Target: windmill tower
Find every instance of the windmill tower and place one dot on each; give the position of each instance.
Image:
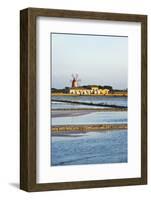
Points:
(75, 81)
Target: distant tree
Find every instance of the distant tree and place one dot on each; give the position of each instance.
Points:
(53, 89)
(108, 87)
(100, 87)
(66, 90)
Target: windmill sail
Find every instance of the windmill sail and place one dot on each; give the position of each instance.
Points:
(75, 80)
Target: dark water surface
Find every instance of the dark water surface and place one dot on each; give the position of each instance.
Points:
(108, 100)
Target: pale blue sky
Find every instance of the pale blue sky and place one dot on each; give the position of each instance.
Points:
(100, 60)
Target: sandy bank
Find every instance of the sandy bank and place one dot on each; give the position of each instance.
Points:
(85, 128)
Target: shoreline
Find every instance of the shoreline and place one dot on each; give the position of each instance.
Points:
(112, 95)
(89, 103)
(60, 129)
(82, 111)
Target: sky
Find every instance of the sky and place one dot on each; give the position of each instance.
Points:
(98, 60)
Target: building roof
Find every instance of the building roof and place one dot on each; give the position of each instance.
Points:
(80, 88)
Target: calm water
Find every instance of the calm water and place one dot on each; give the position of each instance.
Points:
(61, 105)
(90, 148)
(120, 101)
(90, 118)
(93, 118)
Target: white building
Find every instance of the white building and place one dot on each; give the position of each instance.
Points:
(92, 91)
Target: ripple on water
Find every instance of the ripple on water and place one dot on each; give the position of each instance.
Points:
(90, 148)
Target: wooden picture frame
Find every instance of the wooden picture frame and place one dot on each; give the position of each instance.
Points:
(28, 98)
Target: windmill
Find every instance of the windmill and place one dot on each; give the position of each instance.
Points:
(75, 81)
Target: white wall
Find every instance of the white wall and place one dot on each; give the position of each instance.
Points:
(9, 98)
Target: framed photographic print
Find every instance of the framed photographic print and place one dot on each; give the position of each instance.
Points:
(83, 93)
